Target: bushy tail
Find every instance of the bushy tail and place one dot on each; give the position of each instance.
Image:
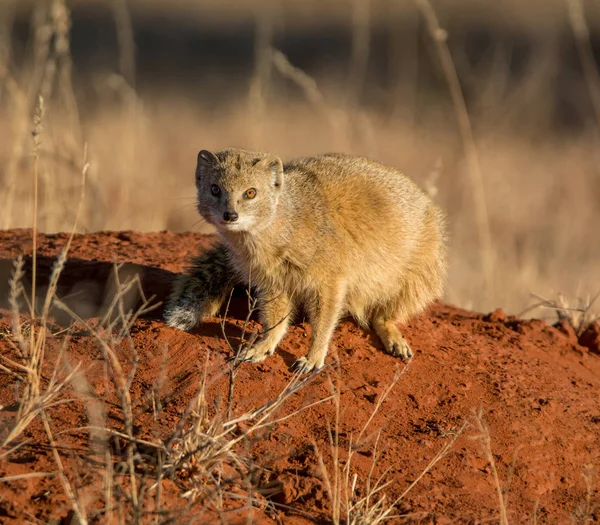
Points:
(201, 290)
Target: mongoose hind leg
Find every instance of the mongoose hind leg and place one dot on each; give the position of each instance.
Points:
(414, 295)
(323, 313)
(200, 292)
(392, 339)
(275, 317)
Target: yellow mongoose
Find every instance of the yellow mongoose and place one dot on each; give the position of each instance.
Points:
(335, 233)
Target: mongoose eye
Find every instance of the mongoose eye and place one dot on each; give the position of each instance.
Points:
(250, 194)
(215, 190)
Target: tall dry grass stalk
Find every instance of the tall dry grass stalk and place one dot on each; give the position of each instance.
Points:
(581, 32)
(38, 119)
(38, 394)
(114, 328)
(35, 398)
(475, 177)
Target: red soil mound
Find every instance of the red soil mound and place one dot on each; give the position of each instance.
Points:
(537, 387)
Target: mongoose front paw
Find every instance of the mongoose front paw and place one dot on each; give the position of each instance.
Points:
(181, 318)
(399, 349)
(304, 366)
(257, 352)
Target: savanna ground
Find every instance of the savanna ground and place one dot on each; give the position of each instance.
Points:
(110, 416)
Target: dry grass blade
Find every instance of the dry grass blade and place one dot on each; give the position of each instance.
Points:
(261, 76)
(486, 445)
(261, 415)
(361, 36)
(115, 433)
(399, 373)
(585, 512)
(372, 508)
(17, 291)
(37, 142)
(238, 355)
(30, 475)
(70, 491)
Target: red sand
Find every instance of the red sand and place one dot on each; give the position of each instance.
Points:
(537, 386)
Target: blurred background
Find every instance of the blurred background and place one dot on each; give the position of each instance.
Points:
(493, 107)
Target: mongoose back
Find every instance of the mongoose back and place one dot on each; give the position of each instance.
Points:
(337, 234)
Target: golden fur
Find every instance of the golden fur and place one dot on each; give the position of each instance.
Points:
(336, 233)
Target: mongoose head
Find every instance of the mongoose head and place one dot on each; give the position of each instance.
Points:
(238, 190)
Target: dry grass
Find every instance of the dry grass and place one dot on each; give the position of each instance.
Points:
(522, 210)
(579, 312)
(206, 453)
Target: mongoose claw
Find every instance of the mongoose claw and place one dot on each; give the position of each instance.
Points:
(304, 366)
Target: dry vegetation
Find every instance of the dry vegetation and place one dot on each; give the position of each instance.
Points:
(521, 193)
(522, 200)
(205, 454)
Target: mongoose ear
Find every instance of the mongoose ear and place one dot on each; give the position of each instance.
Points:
(206, 157)
(275, 166)
(206, 162)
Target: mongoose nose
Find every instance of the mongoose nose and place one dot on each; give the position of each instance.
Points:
(230, 216)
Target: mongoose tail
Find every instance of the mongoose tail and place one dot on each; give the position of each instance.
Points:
(200, 292)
